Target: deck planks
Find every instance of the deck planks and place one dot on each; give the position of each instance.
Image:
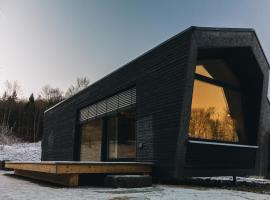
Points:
(67, 173)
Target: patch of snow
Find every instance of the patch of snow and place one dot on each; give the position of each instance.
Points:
(254, 180)
(16, 188)
(21, 152)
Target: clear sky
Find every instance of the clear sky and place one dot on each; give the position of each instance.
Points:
(54, 41)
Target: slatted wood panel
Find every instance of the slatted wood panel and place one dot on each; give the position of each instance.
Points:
(112, 103)
(120, 100)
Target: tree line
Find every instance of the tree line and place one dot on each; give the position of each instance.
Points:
(22, 119)
(209, 124)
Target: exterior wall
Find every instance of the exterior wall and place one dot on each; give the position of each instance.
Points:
(263, 164)
(159, 77)
(211, 38)
(164, 80)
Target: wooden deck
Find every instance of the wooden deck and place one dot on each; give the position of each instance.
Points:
(67, 173)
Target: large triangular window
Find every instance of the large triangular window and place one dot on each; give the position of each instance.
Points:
(216, 111)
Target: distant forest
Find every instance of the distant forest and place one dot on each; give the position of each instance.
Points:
(22, 119)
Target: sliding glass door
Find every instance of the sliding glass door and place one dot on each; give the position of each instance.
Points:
(111, 137)
(121, 135)
(91, 141)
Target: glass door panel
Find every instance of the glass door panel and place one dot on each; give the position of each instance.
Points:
(91, 141)
(121, 135)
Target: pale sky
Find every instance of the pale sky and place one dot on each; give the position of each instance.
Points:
(54, 41)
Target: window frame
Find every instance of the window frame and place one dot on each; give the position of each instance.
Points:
(218, 83)
(79, 142)
(106, 139)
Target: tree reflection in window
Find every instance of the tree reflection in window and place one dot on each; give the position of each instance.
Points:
(216, 111)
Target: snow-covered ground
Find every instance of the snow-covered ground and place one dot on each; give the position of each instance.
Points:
(240, 180)
(21, 152)
(12, 188)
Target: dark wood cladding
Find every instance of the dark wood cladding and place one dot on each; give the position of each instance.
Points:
(158, 77)
(209, 156)
(251, 65)
(164, 78)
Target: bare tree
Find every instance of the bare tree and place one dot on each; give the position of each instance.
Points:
(45, 92)
(10, 95)
(12, 90)
(81, 83)
(8, 104)
(52, 95)
(22, 118)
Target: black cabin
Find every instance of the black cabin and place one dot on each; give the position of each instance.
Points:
(195, 105)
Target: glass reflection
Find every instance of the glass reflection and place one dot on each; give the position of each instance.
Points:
(121, 135)
(91, 141)
(200, 69)
(217, 69)
(216, 113)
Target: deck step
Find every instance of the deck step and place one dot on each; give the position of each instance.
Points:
(2, 165)
(128, 181)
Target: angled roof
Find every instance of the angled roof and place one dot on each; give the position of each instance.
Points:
(190, 29)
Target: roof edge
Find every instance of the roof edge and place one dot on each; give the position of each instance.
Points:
(202, 28)
(191, 28)
(237, 30)
(173, 37)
